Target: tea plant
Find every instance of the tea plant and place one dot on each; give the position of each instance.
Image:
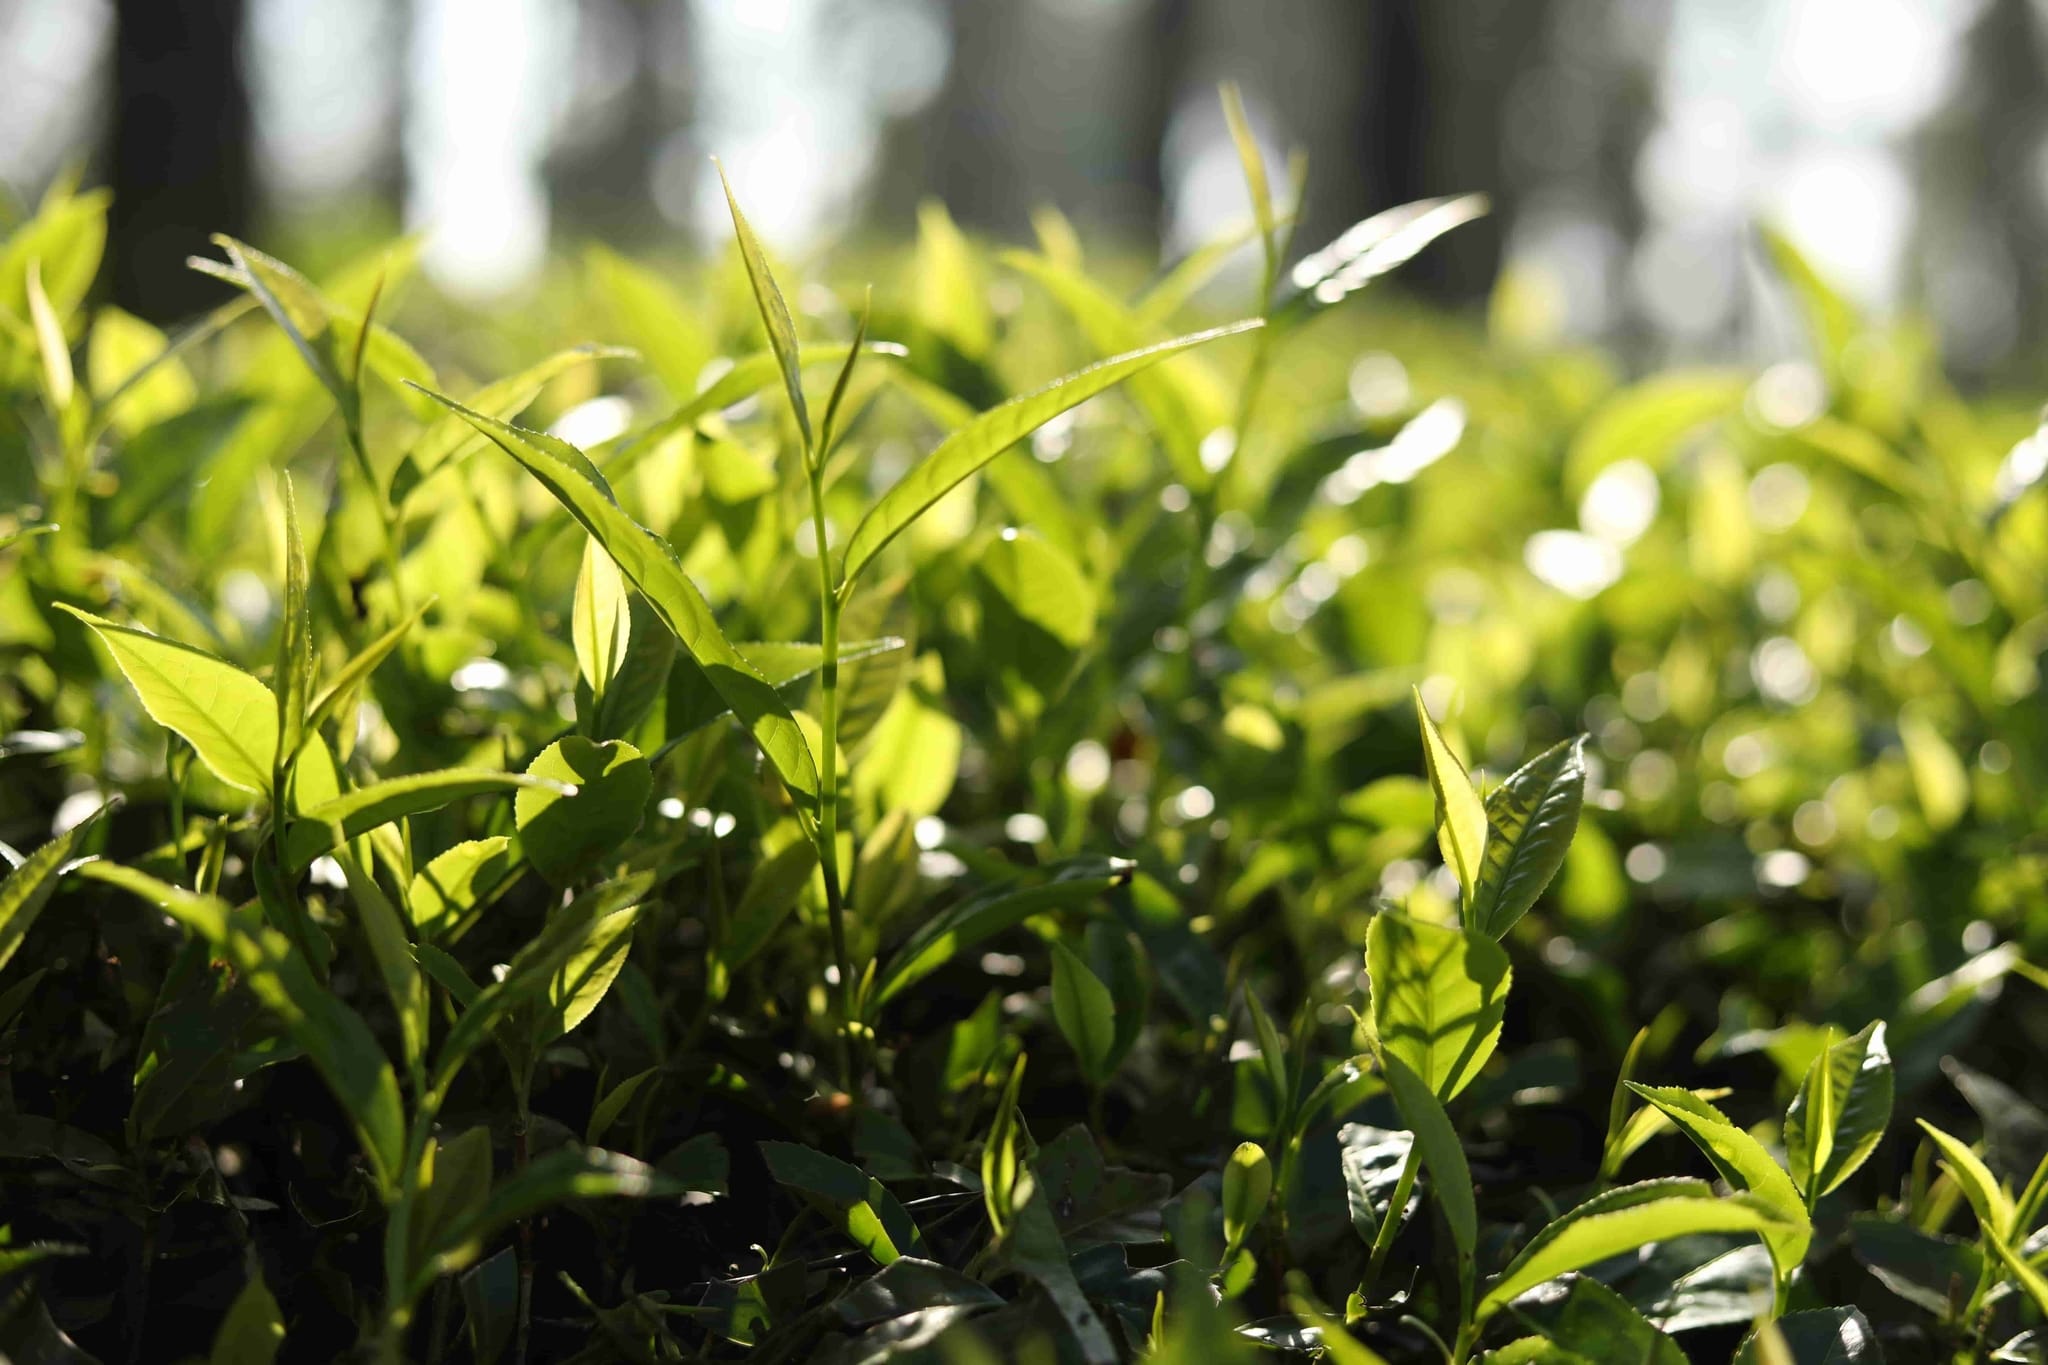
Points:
(620, 862)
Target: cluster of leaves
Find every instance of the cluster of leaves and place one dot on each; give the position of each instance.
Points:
(527, 871)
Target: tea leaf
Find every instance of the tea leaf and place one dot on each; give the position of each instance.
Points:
(1988, 1198)
(1443, 1156)
(1460, 815)
(228, 717)
(252, 1330)
(58, 384)
(982, 916)
(385, 932)
(1438, 998)
(1623, 1220)
(988, 436)
(853, 1201)
(1531, 817)
(653, 568)
(586, 799)
(450, 438)
(28, 887)
(334, 1037)
(357, 670)
(601, 621)
(457, 881)
(771, 894)
(774, 313)
(1086, 1014)
(1817, 1336)
(613, 1103)
(1840, 1112)
(356, 813)
(1741, 1161)
(568, 1173)
(292, 676)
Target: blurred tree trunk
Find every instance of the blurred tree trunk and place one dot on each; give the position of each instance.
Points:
(1165, 40)
(600, 172)
(181, 149)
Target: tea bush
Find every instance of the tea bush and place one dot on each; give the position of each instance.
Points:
(795, 836)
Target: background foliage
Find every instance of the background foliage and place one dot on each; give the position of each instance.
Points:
(408, 947)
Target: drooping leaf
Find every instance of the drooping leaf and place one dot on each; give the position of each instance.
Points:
(988, 436)
(1622, 1220)
(1439, 996)
(1935, 1272)
(228, 717)
(356, 813)
(1742, 1161)
(570, 1172)
(652, 567)
(1592, 1322)
(449, 438)
(1531, 817)
(982, 916)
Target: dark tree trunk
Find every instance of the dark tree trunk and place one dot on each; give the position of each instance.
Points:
(180, 149)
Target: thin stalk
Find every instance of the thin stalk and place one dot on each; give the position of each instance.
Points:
(1383, 1239)
(523, 1332)
(828, 769)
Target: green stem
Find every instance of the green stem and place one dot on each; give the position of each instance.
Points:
(828, 771)
(1383, 1239)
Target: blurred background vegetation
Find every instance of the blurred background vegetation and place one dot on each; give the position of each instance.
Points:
(1629, 145)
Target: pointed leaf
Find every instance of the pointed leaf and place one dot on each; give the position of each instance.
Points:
(988, 436)
(652, 567)
(987, 914)
(28, 888)
(1532, 817)
(333, 1036)
(1623, 1220)
(1450, 1177)
(252, 1330)
(1988, 1199)
(228, 717)
(1741, 1161)
(1086, 1014)
(601, 624)
(1850, 1084)
(1460, 815)
(774, 312)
